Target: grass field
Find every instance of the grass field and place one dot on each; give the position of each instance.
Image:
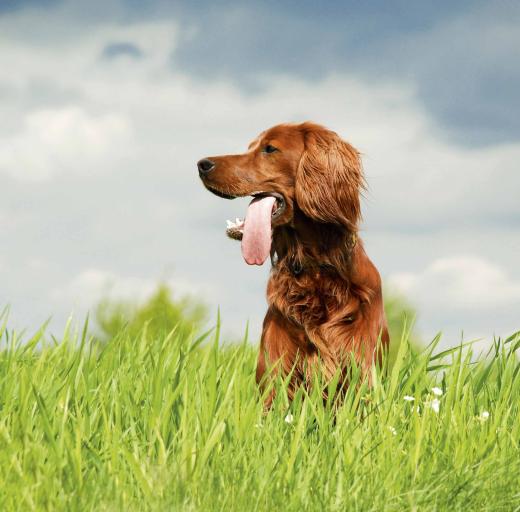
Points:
(173, 423)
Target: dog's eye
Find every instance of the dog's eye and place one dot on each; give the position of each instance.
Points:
(269, 149)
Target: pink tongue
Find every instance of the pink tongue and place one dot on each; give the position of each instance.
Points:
(256, 241)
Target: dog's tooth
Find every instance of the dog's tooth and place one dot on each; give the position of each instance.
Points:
(237, 221)
(229, 224)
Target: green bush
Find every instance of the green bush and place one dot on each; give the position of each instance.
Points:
(400, 315)
(159, 315)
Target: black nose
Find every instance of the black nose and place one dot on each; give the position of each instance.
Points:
(205, 165)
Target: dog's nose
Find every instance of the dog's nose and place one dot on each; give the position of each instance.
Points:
(205, 166)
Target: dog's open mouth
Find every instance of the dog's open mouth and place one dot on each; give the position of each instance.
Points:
(255, 230)
(235, 229)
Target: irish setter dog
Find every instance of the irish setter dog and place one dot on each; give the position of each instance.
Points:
(324, 294)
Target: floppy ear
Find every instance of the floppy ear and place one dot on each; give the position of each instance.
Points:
(329, 179)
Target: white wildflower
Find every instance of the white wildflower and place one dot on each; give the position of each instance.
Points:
(408, 398)
(392, 430)
(484, 415)
(437, 391)
(435, 405)
(289, 418)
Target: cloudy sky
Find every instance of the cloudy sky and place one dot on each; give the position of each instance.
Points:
(106, 106)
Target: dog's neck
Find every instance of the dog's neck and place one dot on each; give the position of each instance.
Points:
(308, 244)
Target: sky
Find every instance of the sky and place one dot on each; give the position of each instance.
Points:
(105, 107)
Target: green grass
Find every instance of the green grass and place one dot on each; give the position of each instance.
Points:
(172, 423)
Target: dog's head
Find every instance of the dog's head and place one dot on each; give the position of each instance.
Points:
(289, 170)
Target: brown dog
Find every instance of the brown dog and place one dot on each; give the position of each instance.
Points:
(324, 293)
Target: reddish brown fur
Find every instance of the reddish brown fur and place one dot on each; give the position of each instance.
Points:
(333, 307)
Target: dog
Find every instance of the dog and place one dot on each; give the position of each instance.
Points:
(324, 295)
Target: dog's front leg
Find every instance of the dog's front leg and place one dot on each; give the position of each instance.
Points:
(283, 351)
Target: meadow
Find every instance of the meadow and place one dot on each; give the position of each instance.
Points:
(145, 420)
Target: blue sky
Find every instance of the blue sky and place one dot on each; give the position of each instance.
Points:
(107, 106)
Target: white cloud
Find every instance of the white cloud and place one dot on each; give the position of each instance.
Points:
(90, 286)
(461, 282)
(87, 288)
(462, 296)
(64, 140)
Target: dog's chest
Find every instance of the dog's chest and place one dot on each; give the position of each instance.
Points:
(309, 297)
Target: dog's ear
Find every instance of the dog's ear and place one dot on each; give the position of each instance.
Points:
(329, 179)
